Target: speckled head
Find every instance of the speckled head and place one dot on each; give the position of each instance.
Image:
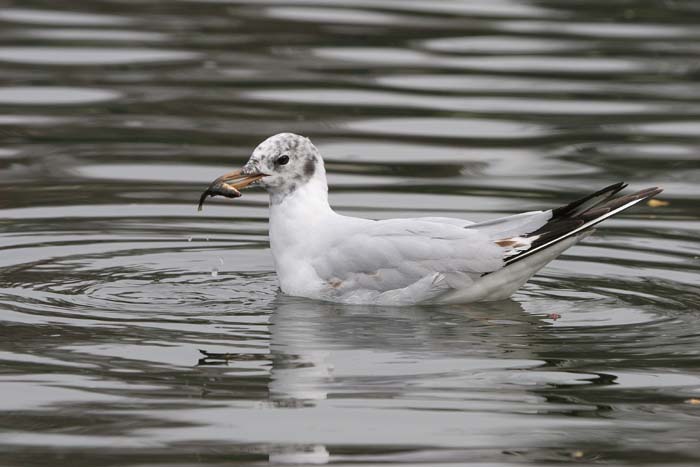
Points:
(290, 161)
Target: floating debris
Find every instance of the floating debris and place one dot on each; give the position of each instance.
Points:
(657, 203)
(218, 356)
(214, 358)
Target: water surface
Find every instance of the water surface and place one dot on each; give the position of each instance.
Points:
(115, 115)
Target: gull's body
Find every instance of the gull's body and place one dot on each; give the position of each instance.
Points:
(321, 254)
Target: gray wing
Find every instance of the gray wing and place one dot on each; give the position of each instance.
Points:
(397, 253)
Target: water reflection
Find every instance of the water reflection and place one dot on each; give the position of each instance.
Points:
(59, 18)
(86, 56)
(37, 95)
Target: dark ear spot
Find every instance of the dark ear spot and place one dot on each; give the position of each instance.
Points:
(310, 168)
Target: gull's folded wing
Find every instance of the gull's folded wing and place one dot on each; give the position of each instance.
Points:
(394, 254)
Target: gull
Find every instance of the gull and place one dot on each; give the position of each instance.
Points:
(323, 255)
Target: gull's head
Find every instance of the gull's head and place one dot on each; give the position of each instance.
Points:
(289, 161)
(281, 164)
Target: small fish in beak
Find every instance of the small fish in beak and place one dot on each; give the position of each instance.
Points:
(228, 185)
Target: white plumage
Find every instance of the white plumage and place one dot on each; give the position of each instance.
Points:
(321, 254)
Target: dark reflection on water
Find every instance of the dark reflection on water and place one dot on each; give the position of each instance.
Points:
(114, 115)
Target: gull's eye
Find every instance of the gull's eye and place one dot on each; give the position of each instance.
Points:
(282, 160)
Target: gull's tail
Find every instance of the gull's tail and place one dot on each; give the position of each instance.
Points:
(531, 240)
(579, 216)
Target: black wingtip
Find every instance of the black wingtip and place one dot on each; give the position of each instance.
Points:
(654, 191)
(604, 195)
(584, 214)
(638, 196)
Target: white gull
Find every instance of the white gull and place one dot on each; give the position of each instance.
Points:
(324, 255)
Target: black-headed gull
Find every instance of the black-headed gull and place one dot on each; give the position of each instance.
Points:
(321, 254)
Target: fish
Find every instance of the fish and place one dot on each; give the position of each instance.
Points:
(228, 185)
(218, 188)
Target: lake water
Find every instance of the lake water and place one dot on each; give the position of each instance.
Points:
(114, 116)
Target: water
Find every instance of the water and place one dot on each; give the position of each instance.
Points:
(115, 115)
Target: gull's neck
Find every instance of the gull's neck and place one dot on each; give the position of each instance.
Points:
(297, 220)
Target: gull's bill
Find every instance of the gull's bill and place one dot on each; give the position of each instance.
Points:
(229, 185)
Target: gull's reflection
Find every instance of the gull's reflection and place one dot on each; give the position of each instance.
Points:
(339, 364)
(314, 343)
(319, 349)
(315, 454)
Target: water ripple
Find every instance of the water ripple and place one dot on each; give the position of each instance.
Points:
(138, 331)
(38, 95)
(81, 56)
(59, 18)
(449, 128)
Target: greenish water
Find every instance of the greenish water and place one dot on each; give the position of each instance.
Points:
(114, 115)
